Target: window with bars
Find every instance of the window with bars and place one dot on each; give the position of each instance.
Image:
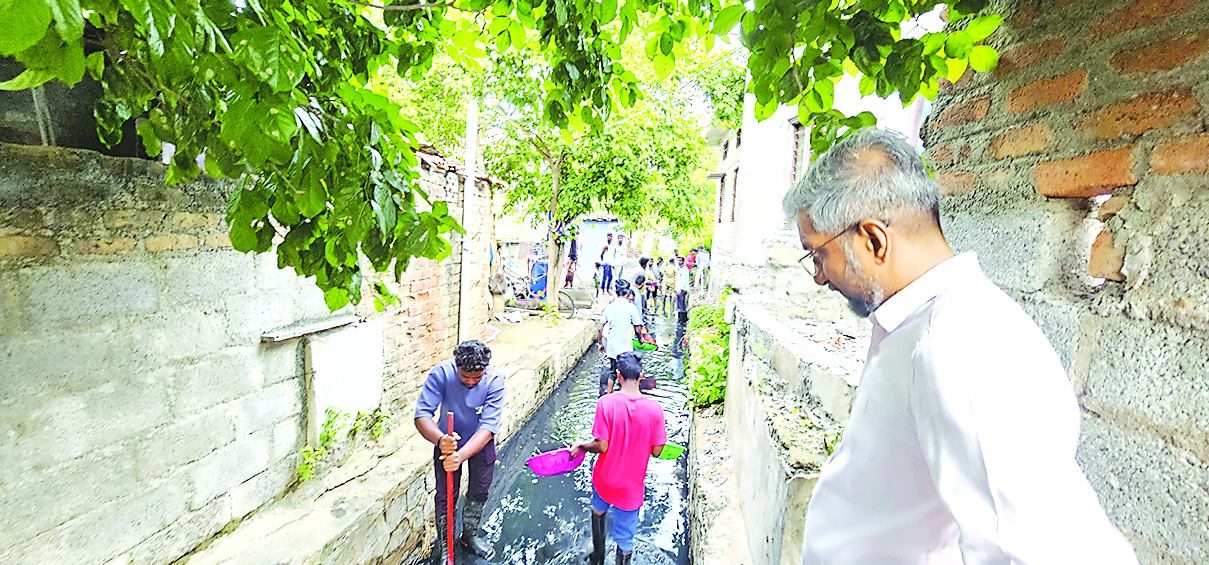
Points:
(725, 147)
(801, 151)
(722, 196)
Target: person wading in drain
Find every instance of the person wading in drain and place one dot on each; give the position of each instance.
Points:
(961, 445)
(629, 430)
(474, 391)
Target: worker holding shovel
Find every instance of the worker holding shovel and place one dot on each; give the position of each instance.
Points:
(628, 430)
(473, 391)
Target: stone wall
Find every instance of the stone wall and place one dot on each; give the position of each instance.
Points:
(1077, 171)
(139, 411)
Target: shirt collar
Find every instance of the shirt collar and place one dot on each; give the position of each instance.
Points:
(895, 310)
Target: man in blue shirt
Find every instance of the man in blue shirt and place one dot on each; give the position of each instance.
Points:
(474, 391)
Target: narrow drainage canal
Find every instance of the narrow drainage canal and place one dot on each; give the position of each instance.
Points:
(535, 520)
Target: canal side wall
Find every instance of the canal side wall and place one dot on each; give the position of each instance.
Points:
(782, 393)
(377, 509)
(140, 411)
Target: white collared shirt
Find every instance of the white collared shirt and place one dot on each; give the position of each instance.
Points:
(961, 445)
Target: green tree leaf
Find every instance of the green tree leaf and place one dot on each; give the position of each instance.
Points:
(958, 45)
(22, 24)
(28, 78)
(982, 27)
(271, 55)
(151, 143)
(727, 18)
(983, 58)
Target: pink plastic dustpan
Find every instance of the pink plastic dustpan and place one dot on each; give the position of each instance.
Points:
(554, 462)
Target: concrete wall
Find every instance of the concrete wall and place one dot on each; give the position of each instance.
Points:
(786, 388)
(765, 158)
(139, 411)
(1077, 170)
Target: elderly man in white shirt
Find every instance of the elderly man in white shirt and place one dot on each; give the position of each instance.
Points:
(961, 444)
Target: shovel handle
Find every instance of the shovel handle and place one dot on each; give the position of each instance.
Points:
(449, 504)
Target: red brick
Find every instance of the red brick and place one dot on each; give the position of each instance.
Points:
(1187, 155)
(105, 246)
(218, 240)
(1022, 56)
(1026, 15)
(1106, 260)
(941, 155)
(998, 176)
(1136, 14)
(1047, 91)
(1112, 207)
(170, 242)
(24, 246)
(1090, 175)
(191, 220)
(1163, 56)
(955, 183)
(964, 112)
(1142, 113)
(1021, 141)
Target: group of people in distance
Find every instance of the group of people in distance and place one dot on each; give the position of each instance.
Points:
(657, 283)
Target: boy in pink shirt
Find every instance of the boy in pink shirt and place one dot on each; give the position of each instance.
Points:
(629, 429)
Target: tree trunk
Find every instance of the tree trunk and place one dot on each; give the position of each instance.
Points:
(554, 256)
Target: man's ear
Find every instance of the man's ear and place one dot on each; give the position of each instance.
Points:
(877, 239)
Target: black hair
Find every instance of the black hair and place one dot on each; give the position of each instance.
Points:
(629, 365)
(643, 262)
(640, 280)
(472, 356)
(623, 287)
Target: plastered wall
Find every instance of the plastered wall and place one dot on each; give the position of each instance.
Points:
(139, 411)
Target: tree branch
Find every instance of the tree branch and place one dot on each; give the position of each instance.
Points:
(409, 6)
(535, 140)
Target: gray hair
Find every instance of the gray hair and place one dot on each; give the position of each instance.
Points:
(839, 190)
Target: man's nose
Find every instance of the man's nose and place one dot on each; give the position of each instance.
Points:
(821, 279)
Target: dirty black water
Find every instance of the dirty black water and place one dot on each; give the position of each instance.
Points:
(531, 520)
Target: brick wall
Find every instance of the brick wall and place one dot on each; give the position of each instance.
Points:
(139, 411)
(1077, 170)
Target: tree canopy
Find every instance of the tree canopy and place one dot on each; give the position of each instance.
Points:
(279, 93)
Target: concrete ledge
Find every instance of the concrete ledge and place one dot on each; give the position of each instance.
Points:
(786, 386)
(377, 507)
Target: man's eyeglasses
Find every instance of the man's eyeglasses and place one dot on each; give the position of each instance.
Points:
(810, 261)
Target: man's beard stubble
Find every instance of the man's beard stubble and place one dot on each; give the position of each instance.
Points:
(862, 302)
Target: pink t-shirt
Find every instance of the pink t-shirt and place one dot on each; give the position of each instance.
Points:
(632, 426)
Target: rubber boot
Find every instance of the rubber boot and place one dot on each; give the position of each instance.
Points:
(623, 558)
(438, 544)
(472, 517)
(598, 540)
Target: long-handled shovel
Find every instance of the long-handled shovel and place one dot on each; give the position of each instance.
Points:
(449, 504)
